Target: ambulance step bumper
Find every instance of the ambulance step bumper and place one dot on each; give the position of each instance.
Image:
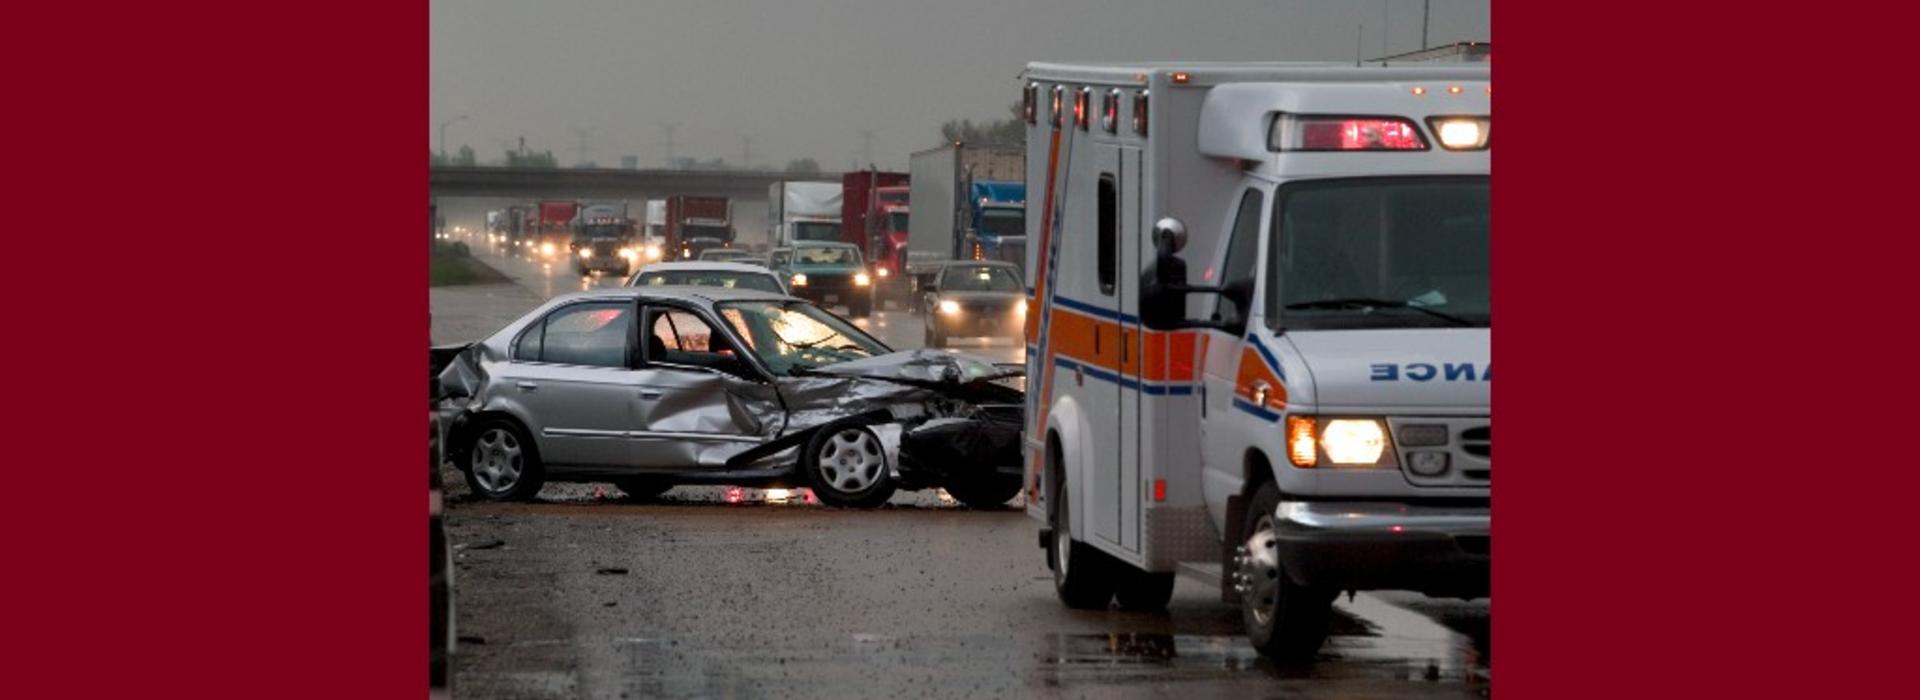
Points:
(1359, 545)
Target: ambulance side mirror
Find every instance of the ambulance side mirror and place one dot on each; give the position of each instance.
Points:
(1163, 289)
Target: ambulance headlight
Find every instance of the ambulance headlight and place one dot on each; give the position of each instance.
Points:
(1353, 441)
(1461, 133)
(1349, 442)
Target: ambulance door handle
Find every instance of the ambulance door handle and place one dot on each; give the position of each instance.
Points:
(1261, 390)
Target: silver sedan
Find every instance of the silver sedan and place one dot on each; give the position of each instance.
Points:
(650, 387)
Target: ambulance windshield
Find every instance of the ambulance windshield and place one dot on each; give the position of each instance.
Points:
(1382, 253)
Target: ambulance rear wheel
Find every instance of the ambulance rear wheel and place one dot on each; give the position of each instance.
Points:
(1284, 620)
(1082, 575)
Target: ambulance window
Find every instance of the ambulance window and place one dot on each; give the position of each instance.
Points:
(1109, 244)
(1241, 251)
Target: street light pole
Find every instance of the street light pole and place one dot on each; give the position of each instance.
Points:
(443, 134)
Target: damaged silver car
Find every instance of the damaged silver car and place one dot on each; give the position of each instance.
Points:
(649, 388)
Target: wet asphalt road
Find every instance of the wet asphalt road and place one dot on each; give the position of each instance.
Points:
(584, 595)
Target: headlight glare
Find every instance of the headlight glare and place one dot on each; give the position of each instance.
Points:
(800, 279)
(950, 307)
(1354, 441)
(860, 279)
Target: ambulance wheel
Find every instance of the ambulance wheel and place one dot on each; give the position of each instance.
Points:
(1082, 575)
(846, 466)
(1284, 620)
(1143, 591)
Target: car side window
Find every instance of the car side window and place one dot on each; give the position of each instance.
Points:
(1241, 250)
(528, 349)
(676, 336)
(591, 334)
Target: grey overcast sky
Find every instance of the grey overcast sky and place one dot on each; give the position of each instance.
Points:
(803, 78)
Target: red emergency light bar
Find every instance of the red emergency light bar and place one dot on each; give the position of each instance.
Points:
(1293, 132)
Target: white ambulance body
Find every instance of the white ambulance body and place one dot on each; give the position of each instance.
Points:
(1314, 418)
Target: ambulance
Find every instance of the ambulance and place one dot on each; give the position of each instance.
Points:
(1260, 347)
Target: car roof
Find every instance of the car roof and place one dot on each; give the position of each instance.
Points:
(702, 266)
(821, 244)
(675, 293)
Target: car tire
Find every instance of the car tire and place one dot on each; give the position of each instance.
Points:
(502, 463)
(1284, 620)
(860, 309)
(988, 492)
(1143, 591)
(1082, 575)
(642, 488)
(846, 466)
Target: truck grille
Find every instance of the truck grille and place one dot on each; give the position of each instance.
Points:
(1465, 443)
(1477, 441)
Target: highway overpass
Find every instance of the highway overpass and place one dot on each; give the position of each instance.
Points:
(605, 183)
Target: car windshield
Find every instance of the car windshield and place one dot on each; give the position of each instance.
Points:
(816, 231)
(1382, 253)
(979, 278)
(826, 255)
(795, 335)
(709, 278)
(1004, 222)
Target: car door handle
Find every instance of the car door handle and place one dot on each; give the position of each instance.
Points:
(649, 395)
(527, 386)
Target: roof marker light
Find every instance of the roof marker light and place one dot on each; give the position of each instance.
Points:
(1030, 102)
(1110, 112)
(1140, 112)
(1419, 91)
(1181, 77)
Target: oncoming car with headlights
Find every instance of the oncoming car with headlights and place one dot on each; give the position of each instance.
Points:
(973, 299)
(649, 387)
(826, 273)
(707, 274)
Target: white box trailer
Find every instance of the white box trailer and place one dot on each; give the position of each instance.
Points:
(940, 177)
(1258, 350)
(802, 211)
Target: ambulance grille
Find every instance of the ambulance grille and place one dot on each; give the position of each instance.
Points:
(1477, 441)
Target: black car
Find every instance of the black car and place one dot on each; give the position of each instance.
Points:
(972, 299)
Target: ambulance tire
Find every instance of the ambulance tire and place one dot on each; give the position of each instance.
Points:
(1082, 576)
(1143, 591)
(1284, 620)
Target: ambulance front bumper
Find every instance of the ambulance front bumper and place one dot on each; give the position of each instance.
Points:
(1364, 545)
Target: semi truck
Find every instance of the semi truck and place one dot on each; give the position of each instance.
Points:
(874, 216)
(1308, 412)
(554, 228)
(971, 201)
(695, 224)
(803, 211)
(605, 239)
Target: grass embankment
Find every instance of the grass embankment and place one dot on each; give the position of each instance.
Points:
(452, 264)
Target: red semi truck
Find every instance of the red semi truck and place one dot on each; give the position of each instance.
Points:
(555, 228)
(696, 224)
(873, 216)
